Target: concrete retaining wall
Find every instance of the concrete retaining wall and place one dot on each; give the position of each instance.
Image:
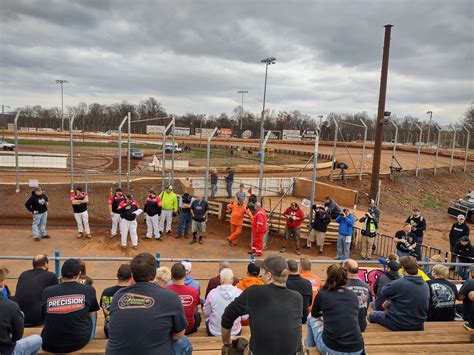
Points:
(56, 161)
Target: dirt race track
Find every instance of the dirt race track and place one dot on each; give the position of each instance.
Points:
(432, 194)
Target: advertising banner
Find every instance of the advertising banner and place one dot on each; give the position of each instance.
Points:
(150, 129)
(182, 131)
(291, 135)
(308, 135)
(274, 135)
(224, 133)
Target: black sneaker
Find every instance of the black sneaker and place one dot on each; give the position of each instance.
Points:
(192, 241)
(36, 239)
(46, 236)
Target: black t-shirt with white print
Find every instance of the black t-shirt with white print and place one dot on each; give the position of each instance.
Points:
(68, 326)
(442, 301)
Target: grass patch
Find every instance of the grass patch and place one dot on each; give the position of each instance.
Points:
(431, 203)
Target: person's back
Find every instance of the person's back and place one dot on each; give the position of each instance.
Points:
(297, 283)
(442, 296)
(340, 310)
(388, 276)
(29, 290)
(145, 317)
(142, 319)
(11, 325)
(409, 298)
(68, 307)
(217, 301)
(305, 272)
(275, 314)
(362, 290)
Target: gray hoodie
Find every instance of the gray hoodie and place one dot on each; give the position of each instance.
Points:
(409, 301)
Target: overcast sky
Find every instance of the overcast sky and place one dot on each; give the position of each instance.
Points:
(194, 55)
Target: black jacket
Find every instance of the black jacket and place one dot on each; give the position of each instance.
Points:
(126, 211)
(11, 325)
(458, 231)
(37, 203)
(419, 223)
(321, 219)
(382, 280)
(465, 252)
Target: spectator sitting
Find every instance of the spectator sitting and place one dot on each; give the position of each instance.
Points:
(442, 296)
(12, 326)
(163, 275)
(305, 272)
(393, 257)
(338, 330)
(188, 279)
(189, 297)
(464, 254)
(70, 312)
(84, 279)
(275, 311)
(360, 288)
(466, 309)
(435, 258)
(252, 278)
(216, 302)
(29, 290)
(391, 273)
(216, 281)
(408, 298)
(146, 318)
(124, 274)
(406, 241)
(297, 283)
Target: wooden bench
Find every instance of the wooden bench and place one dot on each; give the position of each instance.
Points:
(437, 338)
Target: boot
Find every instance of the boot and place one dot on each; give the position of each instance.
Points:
(194, 239)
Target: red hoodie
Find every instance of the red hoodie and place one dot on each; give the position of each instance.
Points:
(294, 223)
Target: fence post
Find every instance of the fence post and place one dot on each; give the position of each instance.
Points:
(120, 152)
(57, 264)
(452, 151)
(363, 150)
(163, 158)
(173, 132)
(334, 149)
(71, 150)
(262, 162)
(129, 137)
(158, 262)
(437, 148)
(17, 167)
(467, 147)
(313, 179)
(208, 159)
(420, 140)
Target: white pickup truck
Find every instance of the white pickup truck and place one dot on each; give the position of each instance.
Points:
(6, 146)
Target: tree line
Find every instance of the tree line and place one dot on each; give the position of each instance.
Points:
(97, 117)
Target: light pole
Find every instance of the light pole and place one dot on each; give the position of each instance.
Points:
(4, 120)
(429, 125)
(243, 92)
(267, 61)
(61, 81)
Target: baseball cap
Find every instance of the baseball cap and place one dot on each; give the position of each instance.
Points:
(274, 264)
(118, 189)
(70, 268)
(187, 265)
(253, 269)
(461, 216)
(170, 187)
(464, 238)
(393, 265)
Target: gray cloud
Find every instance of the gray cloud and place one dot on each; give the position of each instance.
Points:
(195, 55)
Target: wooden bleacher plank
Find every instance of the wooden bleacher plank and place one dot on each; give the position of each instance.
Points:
(415, 338)
(406, 349)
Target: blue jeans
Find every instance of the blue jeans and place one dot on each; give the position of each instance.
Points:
(213, 190)
(39, 224)
(380, 317)
(228, 187)
(401, 254)
(184, 221)
(343, 246)
(28, 346)
(183, 346)
(462, 270)
(314, 337)
(94, 325)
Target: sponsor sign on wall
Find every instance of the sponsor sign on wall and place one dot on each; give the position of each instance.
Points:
(247, 134)
(291, 135)
(308, 135)
(151, 129)
(182, 131)
(273, 135)
(224, 133)
(203, 132)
